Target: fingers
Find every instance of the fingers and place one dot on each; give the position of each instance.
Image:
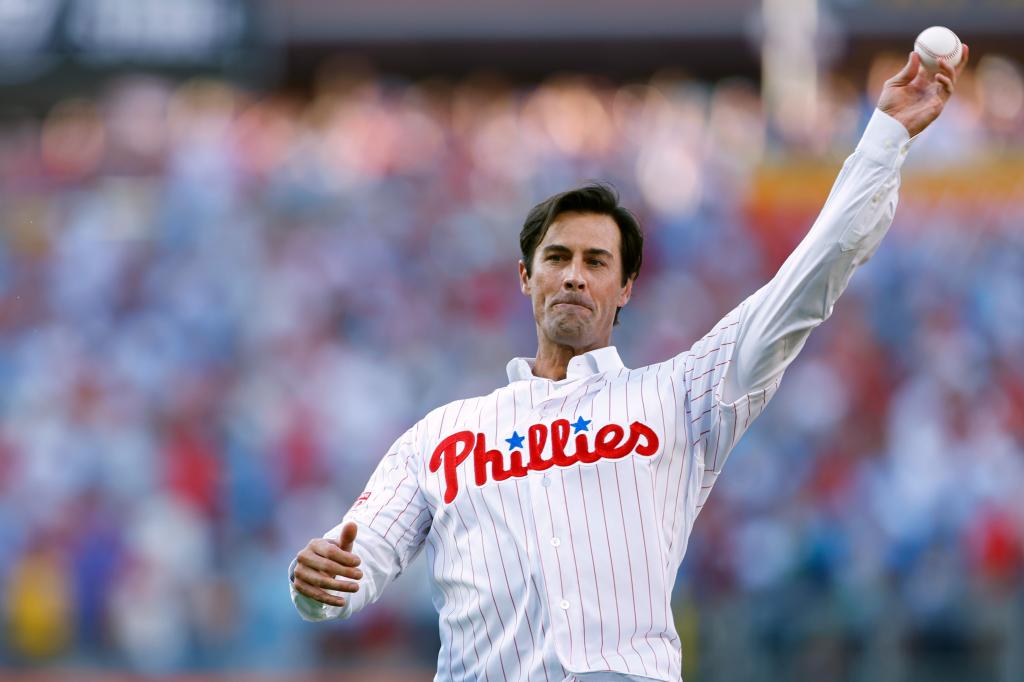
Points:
(315, 578)
(947, 75)
(315, 593)
(329, 550)
(329, 567)
(348, 536)
(322, 564)
(946, 82)
(964, 56)
(908, 72)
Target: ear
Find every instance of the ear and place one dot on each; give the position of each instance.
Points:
(524, 279)
(627, 292)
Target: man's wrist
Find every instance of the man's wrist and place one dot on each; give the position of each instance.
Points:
(885, 140)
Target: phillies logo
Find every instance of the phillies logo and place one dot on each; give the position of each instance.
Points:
(610, 442)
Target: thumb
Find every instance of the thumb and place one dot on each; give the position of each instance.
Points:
(908, 72)
(348, 536)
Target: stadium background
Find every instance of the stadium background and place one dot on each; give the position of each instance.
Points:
(244, 245)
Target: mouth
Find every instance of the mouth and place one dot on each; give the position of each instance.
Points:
(570, 304)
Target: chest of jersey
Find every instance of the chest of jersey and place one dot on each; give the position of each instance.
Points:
(531, 428)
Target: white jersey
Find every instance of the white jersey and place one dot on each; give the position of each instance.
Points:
(555, 514)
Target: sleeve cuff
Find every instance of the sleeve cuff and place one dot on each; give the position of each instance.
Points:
(885, 140)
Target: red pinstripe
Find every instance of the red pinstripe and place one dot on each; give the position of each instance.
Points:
(662, 559)
(544, 663)
(501, 555)
(647, 564)
(561, 584)
(462, 564)
(462, 574)
(643, 403)
(666, 455)
(490, 585)
(579, 584)
(544, 575)
(483, 619)
(611, 563)
(718, 438)
(440, 552)
(629, 564)
(701, 376)
(720, 346)
(593, 564)
(412, 527)
(682, 467)
(400, 514)
(543, 571)
(715, 333)
(431, 542)
(625, 536)
(487, 566)
(698, 417)
(640, 513)
(706, 391)
(527, 541)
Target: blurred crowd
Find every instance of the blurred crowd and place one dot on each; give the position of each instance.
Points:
(218, 308)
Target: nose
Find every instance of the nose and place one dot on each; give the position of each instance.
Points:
(572, 279)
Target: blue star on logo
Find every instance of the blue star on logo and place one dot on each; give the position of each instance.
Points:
(515, 442)
(581, 424)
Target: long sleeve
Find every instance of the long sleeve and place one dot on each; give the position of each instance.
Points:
(775, 322)
(393, 519)
(728, 377)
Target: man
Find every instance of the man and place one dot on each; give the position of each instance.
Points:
(556, 510)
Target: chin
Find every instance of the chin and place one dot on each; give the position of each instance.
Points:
(569, 333)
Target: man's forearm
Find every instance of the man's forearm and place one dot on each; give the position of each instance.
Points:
(778, 318)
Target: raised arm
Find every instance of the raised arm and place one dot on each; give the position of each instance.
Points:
(777, 320)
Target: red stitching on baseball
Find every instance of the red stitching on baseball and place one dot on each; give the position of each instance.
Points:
(934, 55)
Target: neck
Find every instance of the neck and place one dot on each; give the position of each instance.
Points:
(553, 358)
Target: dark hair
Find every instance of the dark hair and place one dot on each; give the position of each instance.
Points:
(592, 198)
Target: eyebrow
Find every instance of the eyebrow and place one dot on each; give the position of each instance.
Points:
(593, 251)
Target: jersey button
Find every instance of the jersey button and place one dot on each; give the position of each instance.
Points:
(555, 542)
(546, 481)
(564, 605)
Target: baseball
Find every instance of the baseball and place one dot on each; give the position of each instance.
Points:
(935, 43)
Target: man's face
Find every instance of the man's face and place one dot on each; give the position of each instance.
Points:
(576, 283)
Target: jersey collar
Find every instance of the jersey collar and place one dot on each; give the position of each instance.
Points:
(596, 361)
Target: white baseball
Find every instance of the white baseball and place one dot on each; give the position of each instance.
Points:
(935, 43)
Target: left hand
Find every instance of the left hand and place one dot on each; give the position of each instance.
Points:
(915, 97)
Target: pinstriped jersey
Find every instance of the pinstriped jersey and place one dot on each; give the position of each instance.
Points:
(554, 515)
(591, 484)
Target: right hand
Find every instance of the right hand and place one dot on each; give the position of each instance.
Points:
(321, 561)
(915, 97)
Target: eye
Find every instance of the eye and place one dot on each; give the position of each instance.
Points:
(554, 257)
(596, 262)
